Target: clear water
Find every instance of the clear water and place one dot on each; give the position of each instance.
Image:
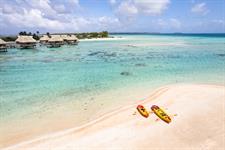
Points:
(30, 80)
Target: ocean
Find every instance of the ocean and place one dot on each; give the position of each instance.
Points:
(74, 84)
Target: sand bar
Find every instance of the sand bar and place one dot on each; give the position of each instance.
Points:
(103, 39)
(199, 123)
(156, 44)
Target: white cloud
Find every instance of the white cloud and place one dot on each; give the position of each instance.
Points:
(127, 10)
(49, 16)
(60, 8)
(32, 18)
(43, 5)
(200, 9)
(74, 2)
(112, 2)
(7, 9)
(44, 15)
(151, 7)
(37, 15)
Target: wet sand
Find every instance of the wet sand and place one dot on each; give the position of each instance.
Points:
(198, 116)
(67, 113)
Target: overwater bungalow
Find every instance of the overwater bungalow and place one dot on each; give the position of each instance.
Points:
(70, 39)
(44, 39)
(26, 41)
(3, 46)
(55, 41)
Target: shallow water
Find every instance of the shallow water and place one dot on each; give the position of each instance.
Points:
(36, 83)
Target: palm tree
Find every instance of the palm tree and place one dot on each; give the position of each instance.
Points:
(48, 34)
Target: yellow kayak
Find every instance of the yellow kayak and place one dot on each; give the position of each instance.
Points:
(161, 114)
(141, 109)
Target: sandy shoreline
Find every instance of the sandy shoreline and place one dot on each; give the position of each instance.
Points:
(103, 39)
(73, 114)
(199, 124)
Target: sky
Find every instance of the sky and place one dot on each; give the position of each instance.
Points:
(165, 16)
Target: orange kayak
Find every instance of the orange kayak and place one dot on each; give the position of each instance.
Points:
(141, 109)
(161, 114)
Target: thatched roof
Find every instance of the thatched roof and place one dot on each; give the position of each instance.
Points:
(72, 38)
(2, 42)
(44, 38)
(64, 37)
(55, 38)
(25, 39)
(69, 37)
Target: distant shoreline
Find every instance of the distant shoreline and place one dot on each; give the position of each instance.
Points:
(102, 39)
(170, 34)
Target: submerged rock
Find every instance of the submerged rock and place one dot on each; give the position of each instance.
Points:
(95, 53)
(140, 65)
(124, 73)
(103, 54)
(130, 45)
(221, 55)
(173, 56)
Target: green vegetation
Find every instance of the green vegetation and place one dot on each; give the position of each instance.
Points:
(90, 35)
(48, 34)
(8, 38)
(104, 34)
(36, 36)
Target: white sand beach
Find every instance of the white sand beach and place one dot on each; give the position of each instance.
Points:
(103, 39)
(198, 122)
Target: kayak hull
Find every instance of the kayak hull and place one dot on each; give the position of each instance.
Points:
(161, 114)
(141, 109)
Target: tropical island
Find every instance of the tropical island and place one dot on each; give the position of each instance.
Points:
(29, 40)
(37, 35)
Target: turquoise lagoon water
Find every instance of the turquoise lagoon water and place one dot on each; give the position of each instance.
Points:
(34, 80)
